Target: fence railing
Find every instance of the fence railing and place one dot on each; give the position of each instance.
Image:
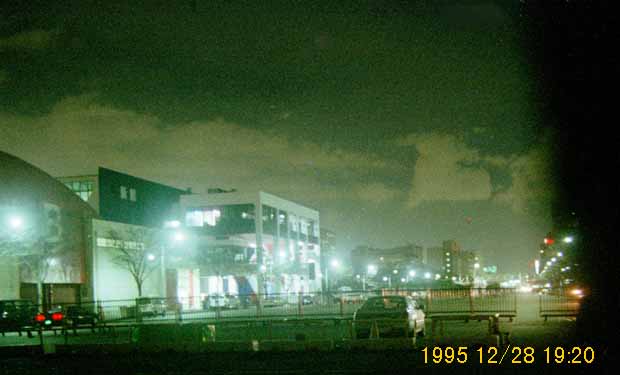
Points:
(472, 301)
(558, 303)
(335, 304)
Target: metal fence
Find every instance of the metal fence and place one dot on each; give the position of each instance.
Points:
(558, 303)
(473, 301)
(318, 305)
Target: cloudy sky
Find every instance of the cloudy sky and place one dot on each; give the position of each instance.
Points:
(401, 123)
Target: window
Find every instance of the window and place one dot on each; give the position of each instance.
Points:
(194, 218)
(211, 217)
(83, 189)
(132, 195)
(123, 192)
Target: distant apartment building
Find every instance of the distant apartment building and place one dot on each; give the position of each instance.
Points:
(257, 243)
(457, 264)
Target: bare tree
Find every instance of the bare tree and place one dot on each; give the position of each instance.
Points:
(36, 247)
(131, 251)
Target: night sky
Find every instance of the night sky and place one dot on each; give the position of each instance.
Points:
(398, 121)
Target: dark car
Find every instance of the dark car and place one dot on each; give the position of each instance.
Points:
(51, 319)
(16, 315)
(76, 316)
(388, 316)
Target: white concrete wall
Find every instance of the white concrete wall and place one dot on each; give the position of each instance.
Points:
(9, 278)
(113, 282)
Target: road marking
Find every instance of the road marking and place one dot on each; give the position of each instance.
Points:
(506, 351)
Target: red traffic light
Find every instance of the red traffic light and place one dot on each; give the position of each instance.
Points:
(549, 241)
(39, 317)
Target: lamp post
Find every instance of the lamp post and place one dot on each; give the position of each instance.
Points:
(335, 263)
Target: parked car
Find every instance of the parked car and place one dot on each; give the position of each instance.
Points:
(16, 315)
(76, 316)
(232, 301)
(214, 301)
(151, 306)
(307, 300)
(393, 315)
(53, 318)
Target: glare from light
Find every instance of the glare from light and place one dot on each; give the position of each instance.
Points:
(150, 257)
(282, 254)
(427, 275)
(372, 269)
(412, 273)
(16, 222)
(554, 259)
(402, 279)
(179, 236)
(577, 292)
(453, 278)
(395, 272)
(385, 278)
(357, 276)
(172, 224)
(263, 268)
(560, 254)
(568, 239)
(335, 263)
(525, 289)
(476, 265)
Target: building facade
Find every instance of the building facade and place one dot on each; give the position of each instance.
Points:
(253, 243)
(43, 236)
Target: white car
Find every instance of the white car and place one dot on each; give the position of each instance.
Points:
(215, 301)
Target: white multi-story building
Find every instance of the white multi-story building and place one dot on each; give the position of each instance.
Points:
(252, 243)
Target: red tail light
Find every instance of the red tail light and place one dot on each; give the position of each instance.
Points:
(57, 316)
(39, 317)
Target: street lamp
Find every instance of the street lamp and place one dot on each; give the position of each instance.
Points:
(334, 263)
(16, 222)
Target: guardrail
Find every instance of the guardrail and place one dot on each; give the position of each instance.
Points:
(326, 305)
(558, 303)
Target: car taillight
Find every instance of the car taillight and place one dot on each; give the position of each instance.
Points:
(57, 316)
(39, 317)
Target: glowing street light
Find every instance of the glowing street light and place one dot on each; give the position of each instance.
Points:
(16, 222)
(395, 272)
(372, 269)
(150, 257)
(427, 275)
(335, 263)
(568, 239)
(476, 265)
(412, 273)
(178, 236)
(560, 254)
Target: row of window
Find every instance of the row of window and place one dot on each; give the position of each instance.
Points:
(83, 189)
(235, 219)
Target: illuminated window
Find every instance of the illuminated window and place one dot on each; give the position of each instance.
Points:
(211, 217)
(194, 218)
(132, 195)
(123, 192)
